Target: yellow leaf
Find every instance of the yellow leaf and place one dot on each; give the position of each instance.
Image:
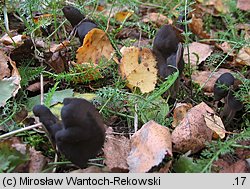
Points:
(121, 16)
(96, 45)
(215, 123)
(138, 66)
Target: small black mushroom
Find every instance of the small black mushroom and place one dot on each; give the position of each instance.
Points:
(232, 105)
(77, 19)
(168, 51)
(81, 133)
(221, 86)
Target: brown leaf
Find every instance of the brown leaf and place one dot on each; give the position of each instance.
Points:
(240, 166)
(4, 68)
(202, 76)
(138, 66)
(57, 61)
(243, 5)
(180, 112)
(192, 133)
(37, 161)
(220, 5)
(215, 123)
(196, 26)
(156, 18)
(36, 86)
(17, 39)
(226, 48)
(198, 53)
(149, 146)
(57, 47)
(14, 81)
(96, 45)
(243, 57)
(116, 151)
(243, 153)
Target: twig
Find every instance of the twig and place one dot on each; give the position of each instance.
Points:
(20, 130)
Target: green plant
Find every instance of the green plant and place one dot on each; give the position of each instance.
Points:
(10, 158)
(243, 92)
(217, 148)
(213, 152)
(29, 74)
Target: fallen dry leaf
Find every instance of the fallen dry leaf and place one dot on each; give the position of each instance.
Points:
(156, 18)
(57, 61)
(37, 161)
(243, 5)
(243, 153)
(220, 5)
(240, 166)
(96, 45)
(149, 146)
(4, 68)
(121, 16)
(180, 112)
(57, 47)
(196, 26)
(116, 150)
(198, 53)
(17, 39)
(243, 57)
(138, 66)
(226, 48)
(202, 76)
(36, 86)
(215, 123)
(9, 85)
(192, 133)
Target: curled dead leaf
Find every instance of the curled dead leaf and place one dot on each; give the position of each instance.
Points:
(226, 48)
(149, 146)
(9, 40)
(180, 112)
(196, 26)
(57, 47)
(4, 68)
(9, 85)
(243, 57)
(192, 133)
(116, 151)
(215, 123)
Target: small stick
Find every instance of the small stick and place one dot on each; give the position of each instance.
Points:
(20, 130)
